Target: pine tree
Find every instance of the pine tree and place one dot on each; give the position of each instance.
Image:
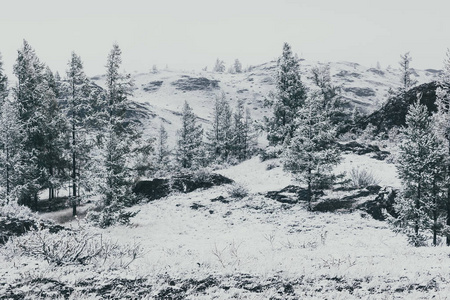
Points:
(289, 99)
(79, 113)
(189, 152)
(237, 66)
(406, 81)
(31, 92)
(243, 135)
(421, 170)
(219, 67)
(11, 143)
(3, 83)
(220, 135)
(118, 137)
(442, 128)
(163, 151)
(312, 151)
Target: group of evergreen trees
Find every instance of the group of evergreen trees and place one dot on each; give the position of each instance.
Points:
(424, 165)
(304, 123)
(231, 137)
(55, 131)
(68, 132)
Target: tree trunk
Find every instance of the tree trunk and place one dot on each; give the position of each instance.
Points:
(417, 206)
(74, 175)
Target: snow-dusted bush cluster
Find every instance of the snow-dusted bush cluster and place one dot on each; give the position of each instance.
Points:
(73, 247)
(361, 178)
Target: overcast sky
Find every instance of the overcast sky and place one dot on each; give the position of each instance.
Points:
(191, 34)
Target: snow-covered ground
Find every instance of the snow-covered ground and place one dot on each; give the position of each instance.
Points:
(315, 255)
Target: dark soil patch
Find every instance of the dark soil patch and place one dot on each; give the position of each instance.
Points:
(152, 86)
(188, 83)
(10, 227)
(185, 183)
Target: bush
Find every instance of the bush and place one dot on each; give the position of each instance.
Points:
(361, 178)
(271, 152)
(238, 191)
(73, 247)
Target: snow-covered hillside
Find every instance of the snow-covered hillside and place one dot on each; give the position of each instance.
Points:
(162, 94)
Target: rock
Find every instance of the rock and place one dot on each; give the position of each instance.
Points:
(385, 200)
(152, 86)
(10, 227)
(220, 199)
(187, 83)
(360, 149)
(185, 183)
(394, 111)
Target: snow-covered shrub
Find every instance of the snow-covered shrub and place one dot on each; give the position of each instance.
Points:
(108, 217)
(271, 152)
(13, 210)
(69, 247)
(361, 178)
(238, 191)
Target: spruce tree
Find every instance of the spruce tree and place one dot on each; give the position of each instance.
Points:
(442, 128)
(79, 114)
(189, 152)
(31, 92)
(163, 152)
(11, 147)
(244, 138)
(406, 81)
(422, 173)
(118, 138)
(312, 153)
(3, 83)
(288, 100)
(220, 135)
(237, 66)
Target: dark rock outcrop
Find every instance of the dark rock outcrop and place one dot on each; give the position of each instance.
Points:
(10, 227)
(360, 149)
(393, 113)
(385, 200)
(185, 183)
(187, 83)
(291, 194)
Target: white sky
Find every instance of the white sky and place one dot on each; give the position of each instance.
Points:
(191, 34)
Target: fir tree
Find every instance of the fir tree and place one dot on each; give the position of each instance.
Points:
(243, 135)
(289, 99)
(3, 83)
(421, 170)
(237, 66)
(189, 152)
(312, 151)
(219, 67)
(163, 152)
(442, 128)
(118, 138)
(220, 135)
(406, 81)
(31, 93)
(79, 113)
(11, 143)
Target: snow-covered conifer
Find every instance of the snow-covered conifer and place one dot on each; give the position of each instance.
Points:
(288, 100)
(422, 172)
(312, 152)
(189, 151)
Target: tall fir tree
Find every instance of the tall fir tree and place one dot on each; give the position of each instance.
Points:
(244, 138)
(288, 100)
(79, 113)
(220, 135)
(33, 99)
(119, 136)
(163, 151)
(442, 129)
(11, 147)
(189, 152)
(422, 173)
(312, 152)
(406, 80)
(3, 82)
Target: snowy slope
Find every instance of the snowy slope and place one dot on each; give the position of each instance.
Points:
(164, 93)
